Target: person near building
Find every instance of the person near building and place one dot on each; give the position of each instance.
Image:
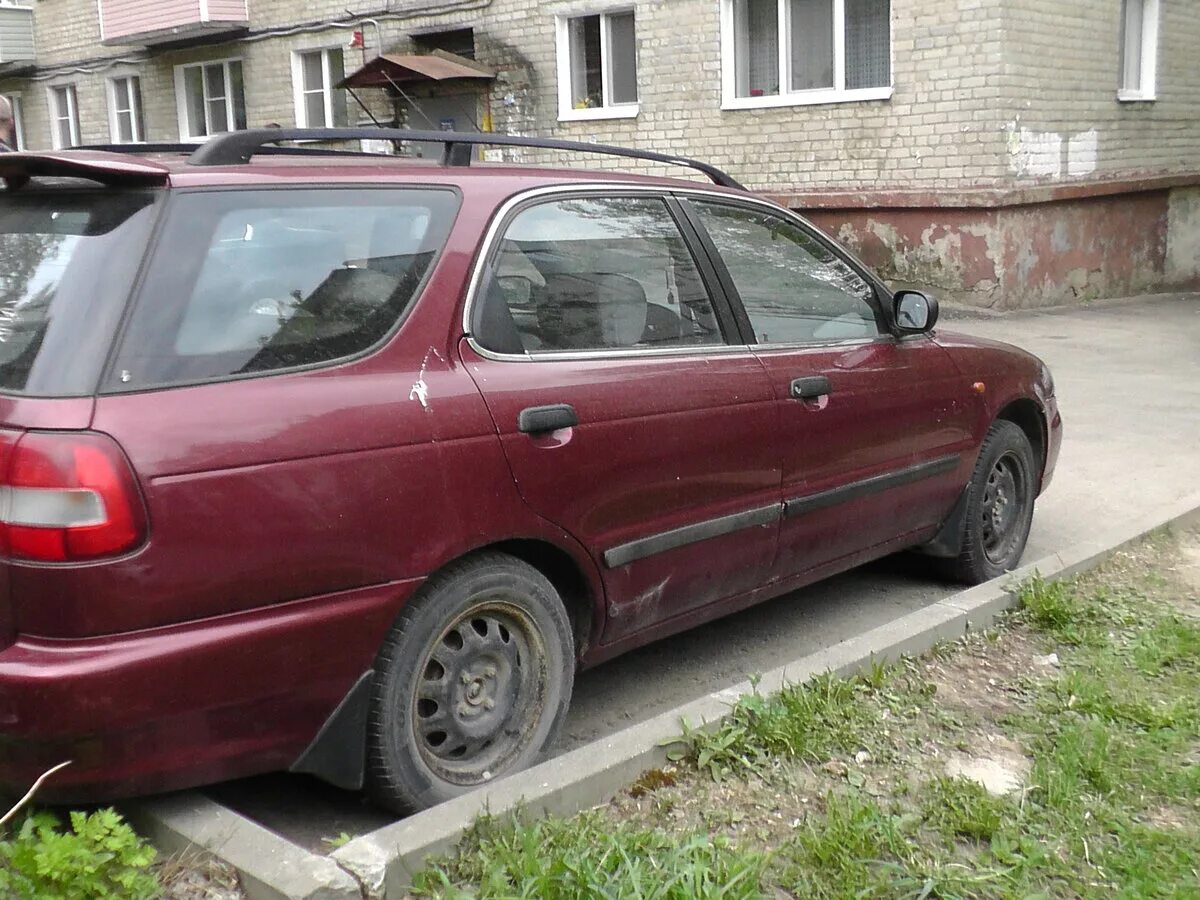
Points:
(7, 127)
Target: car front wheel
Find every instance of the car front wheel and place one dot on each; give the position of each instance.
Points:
(999, 506)
(472, 683)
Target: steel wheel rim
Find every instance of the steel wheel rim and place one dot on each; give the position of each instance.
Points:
(479, 693)
(1003, 507)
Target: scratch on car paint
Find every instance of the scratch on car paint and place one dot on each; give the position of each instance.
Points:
(420, 390)
(647, 602)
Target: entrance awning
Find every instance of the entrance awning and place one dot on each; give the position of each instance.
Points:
(415, 68)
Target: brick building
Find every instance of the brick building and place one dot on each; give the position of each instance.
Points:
(1002, 152)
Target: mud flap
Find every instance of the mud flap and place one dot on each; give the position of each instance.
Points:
(337, 754)
(947, 542)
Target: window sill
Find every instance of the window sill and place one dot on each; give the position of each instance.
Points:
(628, 111)
(1134, 97)
(807, 98)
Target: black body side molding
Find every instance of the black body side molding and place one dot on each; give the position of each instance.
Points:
(689, 534)
(798, 506)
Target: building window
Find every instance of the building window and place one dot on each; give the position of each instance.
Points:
(210, 97)
(597, 66)
(1139, 49)
(18, 126)
(318, 103)
(459, 41)
(64, 116)
(126, 123)
(788, 52)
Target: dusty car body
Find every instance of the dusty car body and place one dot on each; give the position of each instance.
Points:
(344, 464)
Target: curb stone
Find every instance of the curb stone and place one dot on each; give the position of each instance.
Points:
(385, 861)
(270, 867)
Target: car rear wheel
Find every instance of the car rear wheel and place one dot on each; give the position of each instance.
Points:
(472, 683)
(999, 506)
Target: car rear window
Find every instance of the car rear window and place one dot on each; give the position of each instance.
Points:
(68, 258)
(252, 282)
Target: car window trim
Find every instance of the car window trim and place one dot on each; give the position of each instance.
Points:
(110, 384)
(876, 300)
(515, 205)
(723, 306)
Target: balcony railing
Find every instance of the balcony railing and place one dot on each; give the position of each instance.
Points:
(16, 35)
(150, 22)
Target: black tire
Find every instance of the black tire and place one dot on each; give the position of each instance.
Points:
(999, 506)
(472, 683)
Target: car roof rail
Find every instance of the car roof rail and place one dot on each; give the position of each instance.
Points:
(139, 149)
(188, 149)
(238, 147)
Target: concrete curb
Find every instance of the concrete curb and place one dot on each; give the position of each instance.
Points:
(385, 861)
(271, 868)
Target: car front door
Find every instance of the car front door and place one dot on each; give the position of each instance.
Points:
(874, 430)
(628, 418)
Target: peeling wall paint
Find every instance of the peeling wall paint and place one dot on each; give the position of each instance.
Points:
(1040, 254)
(1183, 238)
(961, 251)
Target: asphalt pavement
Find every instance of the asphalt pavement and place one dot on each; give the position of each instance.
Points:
(1128, 384)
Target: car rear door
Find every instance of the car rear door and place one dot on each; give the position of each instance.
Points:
(874, 433)
(627, 417)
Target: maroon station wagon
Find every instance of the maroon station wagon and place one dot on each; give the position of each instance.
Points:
(344, 464)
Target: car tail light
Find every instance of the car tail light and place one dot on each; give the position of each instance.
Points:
(68, 497)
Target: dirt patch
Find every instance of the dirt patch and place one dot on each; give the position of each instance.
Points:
(959, 732)
(1169, 817)
(987, 678)
(198, 876)
(1186, 571)
(999, 764)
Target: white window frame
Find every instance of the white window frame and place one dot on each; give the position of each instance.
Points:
(1147, 90)
(181, 96)
(566, 103)
(135, 114)
(17, 102)
(71, 92)
(327, 88)
(837, 94)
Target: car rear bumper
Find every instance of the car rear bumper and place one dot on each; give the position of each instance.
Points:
(187, 704)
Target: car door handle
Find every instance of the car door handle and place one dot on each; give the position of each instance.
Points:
(540, 419)
(811, 387)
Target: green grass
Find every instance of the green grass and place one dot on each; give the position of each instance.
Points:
(1111, 807)
(960, 808)
(810, 721)
(588, 857)
(95, 855)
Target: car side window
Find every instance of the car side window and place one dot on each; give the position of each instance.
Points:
(593, 273)
(793, 287)
(248, 282)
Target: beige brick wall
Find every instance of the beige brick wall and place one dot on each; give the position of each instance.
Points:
(1062, 63)
(983, 89)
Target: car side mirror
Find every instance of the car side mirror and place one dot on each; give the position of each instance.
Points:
(914, 312)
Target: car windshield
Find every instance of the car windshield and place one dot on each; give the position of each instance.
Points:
(67, 260)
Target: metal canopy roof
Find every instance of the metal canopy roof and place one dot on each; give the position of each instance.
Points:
(410, 68)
